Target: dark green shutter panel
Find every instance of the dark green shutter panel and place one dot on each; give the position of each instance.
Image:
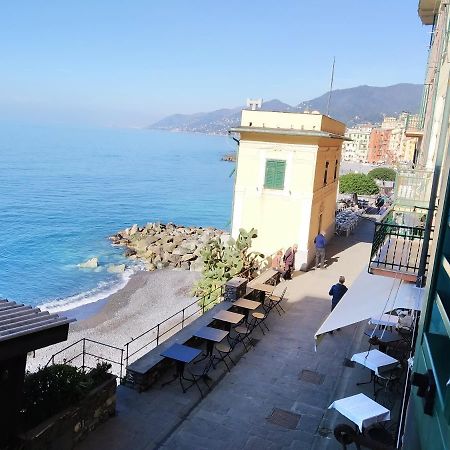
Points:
(275, 169)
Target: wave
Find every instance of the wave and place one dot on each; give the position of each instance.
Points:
(103, 290)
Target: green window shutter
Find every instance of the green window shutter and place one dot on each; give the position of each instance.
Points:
(274, 178)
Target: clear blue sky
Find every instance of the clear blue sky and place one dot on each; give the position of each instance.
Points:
(128, 63)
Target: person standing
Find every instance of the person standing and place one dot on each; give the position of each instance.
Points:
(337, 291)
(289, 262)
(320, 243)
(277, 262)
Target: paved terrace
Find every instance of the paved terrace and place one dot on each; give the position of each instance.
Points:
(241, 409)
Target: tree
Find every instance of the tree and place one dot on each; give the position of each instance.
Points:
(382, 173)
(357, 183)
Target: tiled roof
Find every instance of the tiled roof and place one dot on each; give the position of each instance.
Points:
(18, 320)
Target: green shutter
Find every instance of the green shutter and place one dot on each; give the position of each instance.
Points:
(274, 178)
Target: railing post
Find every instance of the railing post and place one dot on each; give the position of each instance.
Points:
(182, 320)
(84, 350)
(126, 360)
(157, 336)
(121, 365)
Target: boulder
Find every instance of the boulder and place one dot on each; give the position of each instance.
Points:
(150, 267)
(197, 265)
(184, 265)
(174, 258)
(189, 245)
(178, 239)
(169, 247)
(134, 229)
(89, 264)
(116, 268)
(188, 257)
(130, 252)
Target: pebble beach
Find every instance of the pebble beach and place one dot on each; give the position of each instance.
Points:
(147, 299)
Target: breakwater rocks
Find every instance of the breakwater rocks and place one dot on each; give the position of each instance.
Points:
(166, 245)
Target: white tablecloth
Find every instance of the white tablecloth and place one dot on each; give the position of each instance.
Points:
(374, 360)
(385, 320)
(361, 410)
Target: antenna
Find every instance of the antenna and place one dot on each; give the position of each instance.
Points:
(254, 104)
(331, 86)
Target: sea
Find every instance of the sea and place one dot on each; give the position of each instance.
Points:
(65, 189)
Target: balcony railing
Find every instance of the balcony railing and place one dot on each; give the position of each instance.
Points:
(397, 247)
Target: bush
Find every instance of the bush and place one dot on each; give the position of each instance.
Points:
(54, 388)
(357, 183)
(382, 173)
(223, 262)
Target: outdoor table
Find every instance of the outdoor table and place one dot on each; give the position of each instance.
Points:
(384, 337)
(228, 317)
(210, 335)
(267, 288)
(375, 360)
(182, 355)
(361, 410)
(247, 305)
(386, 320)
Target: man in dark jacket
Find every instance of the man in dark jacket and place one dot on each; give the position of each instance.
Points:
(337, 291)
(289, 262)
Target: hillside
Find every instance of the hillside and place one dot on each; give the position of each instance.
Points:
(351, 106)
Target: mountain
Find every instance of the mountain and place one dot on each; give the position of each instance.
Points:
(368, 103)
(355, 105)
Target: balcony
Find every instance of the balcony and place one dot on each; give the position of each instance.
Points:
(397, 245)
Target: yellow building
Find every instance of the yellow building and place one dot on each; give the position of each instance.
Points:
(286, 179)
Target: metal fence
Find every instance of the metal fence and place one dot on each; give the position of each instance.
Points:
(87, 353)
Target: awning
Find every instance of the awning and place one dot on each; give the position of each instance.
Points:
(371, 296)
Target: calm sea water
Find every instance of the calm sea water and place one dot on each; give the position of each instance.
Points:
(63, 191)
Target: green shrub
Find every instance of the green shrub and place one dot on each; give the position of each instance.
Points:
(357, 183)
(382, 173)
(54, 388)
(221, 262)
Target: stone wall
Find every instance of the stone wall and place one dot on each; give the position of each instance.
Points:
(166, 245)
(64, 430)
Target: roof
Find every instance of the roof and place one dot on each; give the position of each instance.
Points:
(21, 322)
(289, 132)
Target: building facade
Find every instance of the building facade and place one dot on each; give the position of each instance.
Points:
(379, 152)
(286, 179)
(356, 150)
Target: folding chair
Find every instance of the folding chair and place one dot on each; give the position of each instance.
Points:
(275, 302)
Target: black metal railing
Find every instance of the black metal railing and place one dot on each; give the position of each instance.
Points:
(87, 353)
(396, 247)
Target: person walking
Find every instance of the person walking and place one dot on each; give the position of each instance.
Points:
(337, 291)
(320, 243)
(289, 262)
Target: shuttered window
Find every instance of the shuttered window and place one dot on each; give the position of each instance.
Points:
(275, 169)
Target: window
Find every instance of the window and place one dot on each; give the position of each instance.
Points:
(325, 175)
(335, 169)
(274, 178)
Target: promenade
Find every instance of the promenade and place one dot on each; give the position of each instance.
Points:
(277, 396)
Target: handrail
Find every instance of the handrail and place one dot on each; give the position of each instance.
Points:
(125, 350)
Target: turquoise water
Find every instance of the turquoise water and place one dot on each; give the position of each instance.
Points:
(63, 191)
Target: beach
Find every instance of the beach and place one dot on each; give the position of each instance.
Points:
(147, 299)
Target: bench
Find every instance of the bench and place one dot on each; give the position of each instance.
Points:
(145, 371)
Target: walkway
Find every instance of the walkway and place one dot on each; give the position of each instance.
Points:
(277, 395)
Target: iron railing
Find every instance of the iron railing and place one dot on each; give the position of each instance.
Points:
(87, 353)
(396, 247)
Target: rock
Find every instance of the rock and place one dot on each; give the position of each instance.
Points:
(184, 265)
(130, 252)
(189, 245)
(89, 264)
(178, 239)
(116, 268)
(188, 257)
(174, 258)
(134, 229)
(150, 267)
(169, 247)
(197, 265)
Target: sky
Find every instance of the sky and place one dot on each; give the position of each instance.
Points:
(130, 63)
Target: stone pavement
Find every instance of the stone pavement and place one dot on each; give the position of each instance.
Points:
(277, 395)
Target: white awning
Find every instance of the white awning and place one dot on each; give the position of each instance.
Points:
(371, 296)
